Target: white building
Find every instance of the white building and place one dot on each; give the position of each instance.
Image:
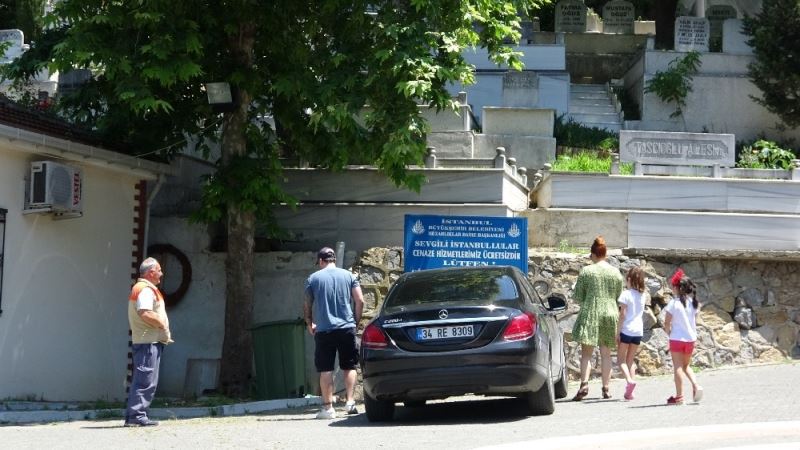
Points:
(66, 268)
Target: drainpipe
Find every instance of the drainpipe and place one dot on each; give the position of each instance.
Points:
(700, 8)
(150, 197)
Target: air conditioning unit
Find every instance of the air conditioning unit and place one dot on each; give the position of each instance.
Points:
(54, 187)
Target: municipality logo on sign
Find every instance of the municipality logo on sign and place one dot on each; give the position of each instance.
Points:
(418, 228)
(514, 231)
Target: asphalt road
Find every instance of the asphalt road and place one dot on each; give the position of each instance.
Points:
(746, 407)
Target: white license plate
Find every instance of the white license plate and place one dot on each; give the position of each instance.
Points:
(448, 332)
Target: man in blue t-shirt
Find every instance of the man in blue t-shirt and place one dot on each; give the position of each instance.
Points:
(330, 318)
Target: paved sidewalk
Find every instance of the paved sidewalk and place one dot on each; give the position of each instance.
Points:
(44, 412)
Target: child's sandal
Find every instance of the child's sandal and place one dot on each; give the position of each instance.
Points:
(582, 392)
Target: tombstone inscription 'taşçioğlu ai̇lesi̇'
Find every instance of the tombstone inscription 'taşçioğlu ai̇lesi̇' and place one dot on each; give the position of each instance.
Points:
(677, 149)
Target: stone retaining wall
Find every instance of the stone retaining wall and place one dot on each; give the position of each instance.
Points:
(750, 308)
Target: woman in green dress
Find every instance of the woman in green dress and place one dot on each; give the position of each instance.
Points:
(596, 291)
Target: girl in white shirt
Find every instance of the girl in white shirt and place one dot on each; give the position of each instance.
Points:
(680, 323)
(631, 327)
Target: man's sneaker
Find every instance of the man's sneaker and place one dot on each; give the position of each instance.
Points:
(698, 394)
(142, 423)
(329, 413)
(351, 408)
(675, 400)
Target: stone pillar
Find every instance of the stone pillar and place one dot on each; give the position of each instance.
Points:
(463, 109)
(523, 174)
(512, 163)
(700, 8)
(500, 159)
(638, 169)
(716, 172)
(430, 160)
(614, 164)
(795, 171)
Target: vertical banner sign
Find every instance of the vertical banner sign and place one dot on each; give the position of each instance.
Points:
(432, 242)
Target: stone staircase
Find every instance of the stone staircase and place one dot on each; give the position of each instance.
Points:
(591, 105)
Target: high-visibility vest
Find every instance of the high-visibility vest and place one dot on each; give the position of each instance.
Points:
(141, 331)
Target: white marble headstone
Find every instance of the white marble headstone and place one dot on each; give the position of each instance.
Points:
(734, 41)
(691, 33)
(520, 89)
(17, 39)
(618, 17)
(673, 148)
(571, 16)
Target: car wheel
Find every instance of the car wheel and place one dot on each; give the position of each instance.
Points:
(542, 402)
(561, 384)
(378, 410)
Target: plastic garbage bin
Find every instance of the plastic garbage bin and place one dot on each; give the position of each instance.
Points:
(279, 354)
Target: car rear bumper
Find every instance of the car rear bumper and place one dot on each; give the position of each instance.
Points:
(433, 376)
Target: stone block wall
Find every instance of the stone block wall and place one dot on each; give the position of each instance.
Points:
(750, 308)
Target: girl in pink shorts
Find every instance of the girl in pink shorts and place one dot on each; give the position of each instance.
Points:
(681, 326)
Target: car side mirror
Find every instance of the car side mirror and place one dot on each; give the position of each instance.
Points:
(556, 302)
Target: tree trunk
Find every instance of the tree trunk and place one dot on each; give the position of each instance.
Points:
(237, 344)
(665, 23)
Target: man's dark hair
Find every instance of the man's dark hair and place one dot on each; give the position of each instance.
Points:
(327, 254)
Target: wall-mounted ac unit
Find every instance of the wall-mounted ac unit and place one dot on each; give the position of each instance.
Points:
(54, 187)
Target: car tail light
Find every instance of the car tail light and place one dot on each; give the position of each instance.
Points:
(521, 327)
(373, 337)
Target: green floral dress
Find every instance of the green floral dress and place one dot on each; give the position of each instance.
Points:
(596, 291)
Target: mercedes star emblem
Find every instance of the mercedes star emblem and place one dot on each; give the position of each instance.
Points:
(443, 314)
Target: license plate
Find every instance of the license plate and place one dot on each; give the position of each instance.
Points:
(448, 332)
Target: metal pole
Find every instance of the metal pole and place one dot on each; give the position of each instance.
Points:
(3, 213)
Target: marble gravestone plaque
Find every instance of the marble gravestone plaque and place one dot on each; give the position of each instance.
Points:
(691, 33)
(716, 15)
(677, 149)
(618, 17)
(571, 16)
(520, 89)
(17, 40)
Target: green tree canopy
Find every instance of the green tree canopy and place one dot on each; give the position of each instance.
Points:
(309, 67)
(775, 38)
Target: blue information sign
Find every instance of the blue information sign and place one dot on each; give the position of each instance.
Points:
(452, 241)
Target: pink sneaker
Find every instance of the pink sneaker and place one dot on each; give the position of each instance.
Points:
(629, 391)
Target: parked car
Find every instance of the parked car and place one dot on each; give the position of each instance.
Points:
(464, 330)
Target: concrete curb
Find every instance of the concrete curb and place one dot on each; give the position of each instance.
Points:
(238, 409)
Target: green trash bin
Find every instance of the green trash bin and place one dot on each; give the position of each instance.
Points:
(279, 354)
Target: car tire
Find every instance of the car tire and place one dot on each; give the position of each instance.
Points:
(414, 403)
(542, 402)
(561, 385)
(378, 410)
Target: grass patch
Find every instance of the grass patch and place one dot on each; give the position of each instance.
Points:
(109, 414)
(202, 402)
(592, 162)
(565, 247)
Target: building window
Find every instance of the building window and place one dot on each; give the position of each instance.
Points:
(2, 252)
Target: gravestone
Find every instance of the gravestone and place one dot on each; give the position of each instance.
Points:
(17, 39)
(734, 41)
(691, 33)
(716, 15)
(520, 89)
(618, 17)
(673, 148)
(571, 16)
(526, 32)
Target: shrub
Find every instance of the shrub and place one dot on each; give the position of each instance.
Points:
(764, 154)
(674, 84)
(571, 134)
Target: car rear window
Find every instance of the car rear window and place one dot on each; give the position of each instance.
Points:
(474, 287)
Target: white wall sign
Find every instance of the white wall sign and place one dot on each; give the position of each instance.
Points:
(691, 33)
